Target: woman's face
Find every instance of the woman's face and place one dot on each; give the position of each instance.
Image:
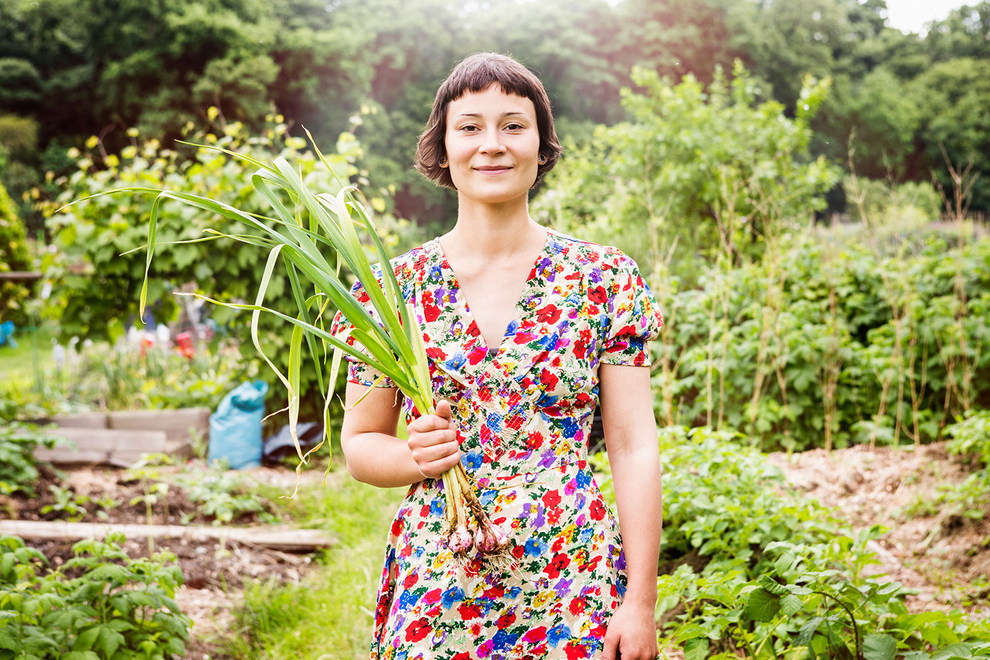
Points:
(493, 145)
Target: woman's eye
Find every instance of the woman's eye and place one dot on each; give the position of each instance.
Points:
(514, 127)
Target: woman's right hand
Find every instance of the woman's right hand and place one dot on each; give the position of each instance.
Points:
(433, 442)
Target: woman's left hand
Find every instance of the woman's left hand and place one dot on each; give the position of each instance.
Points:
(632, 634)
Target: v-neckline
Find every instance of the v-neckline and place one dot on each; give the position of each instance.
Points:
(518, 310)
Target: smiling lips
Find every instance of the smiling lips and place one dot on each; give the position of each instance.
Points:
(492, 169)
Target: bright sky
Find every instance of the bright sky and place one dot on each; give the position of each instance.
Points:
(912, 15)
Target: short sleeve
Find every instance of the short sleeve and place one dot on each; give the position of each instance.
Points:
(358, 372)
(634, 317)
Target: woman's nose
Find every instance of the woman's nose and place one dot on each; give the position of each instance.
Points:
(492, 144)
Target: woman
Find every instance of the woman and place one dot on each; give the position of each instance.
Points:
(532, 329)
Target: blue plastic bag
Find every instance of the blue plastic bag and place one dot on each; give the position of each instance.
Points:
(235, 428)
(6, 330)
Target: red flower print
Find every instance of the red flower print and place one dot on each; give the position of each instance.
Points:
(505, 620)
(493, 592)
(597, 510)
(469, 611)
(549, 379)
(436, 353)
(598, 295)
(431, 312)
(551, 499)
(575, 651)
(477, 355)
(419, 629)
(397, 526)
(534, 440)
(518, 550)
(536, 635)
(463, 655)
(410, 580)
(577, 606)
(548, 314)
(556, 565)
(591, 566)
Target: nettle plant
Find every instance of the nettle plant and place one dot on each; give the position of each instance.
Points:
(101, 604)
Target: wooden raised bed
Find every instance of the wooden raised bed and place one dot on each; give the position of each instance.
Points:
(119, 438)
(280, 538)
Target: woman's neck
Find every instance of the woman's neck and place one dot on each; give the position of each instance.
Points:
(493, 231)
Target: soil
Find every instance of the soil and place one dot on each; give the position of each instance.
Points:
(943, 557)
(941, 553)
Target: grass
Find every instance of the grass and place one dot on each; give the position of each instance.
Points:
(33, 353)
(329, 615)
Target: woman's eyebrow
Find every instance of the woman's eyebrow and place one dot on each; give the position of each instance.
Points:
(477, 115)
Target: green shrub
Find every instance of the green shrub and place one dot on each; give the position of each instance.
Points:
(14, 256)
(98, 263)
(101, 604)
(901, 337)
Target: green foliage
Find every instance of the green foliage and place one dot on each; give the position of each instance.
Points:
(18, 136)
(907, 206)
(325, 616)
(724, 503)
(66, 506)
(838, 338)
(814, 604)
(955, 106)
(222, 495)
(100, 605)
(707, 169)
(751, 569)
(18, 468)
(971, 497)
(14, 256)
(99, 267)
(125, 378)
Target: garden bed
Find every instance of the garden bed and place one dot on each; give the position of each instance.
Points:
(215, 570)
(945, 556)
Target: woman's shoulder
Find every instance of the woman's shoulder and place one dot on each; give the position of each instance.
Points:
(412, 264)
(587, 254)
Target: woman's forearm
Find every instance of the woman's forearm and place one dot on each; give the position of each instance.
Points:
(636, 478)
(381, 460)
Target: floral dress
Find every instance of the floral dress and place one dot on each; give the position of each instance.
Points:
(523, 411)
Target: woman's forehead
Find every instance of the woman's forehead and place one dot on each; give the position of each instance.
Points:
(491, 100)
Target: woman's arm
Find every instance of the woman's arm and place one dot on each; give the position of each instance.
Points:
(631, 440)
(376, 456)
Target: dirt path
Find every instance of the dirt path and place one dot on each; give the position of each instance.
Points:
(945, 556)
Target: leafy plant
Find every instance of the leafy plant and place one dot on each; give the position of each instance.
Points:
(18, 468)
(14, 255)
(304, 223)
(221, 494)
(66, 506)
(100, 605)
(725, 503)
(106, 235)
(970, 498)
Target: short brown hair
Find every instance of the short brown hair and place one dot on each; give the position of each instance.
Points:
(477, 73)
